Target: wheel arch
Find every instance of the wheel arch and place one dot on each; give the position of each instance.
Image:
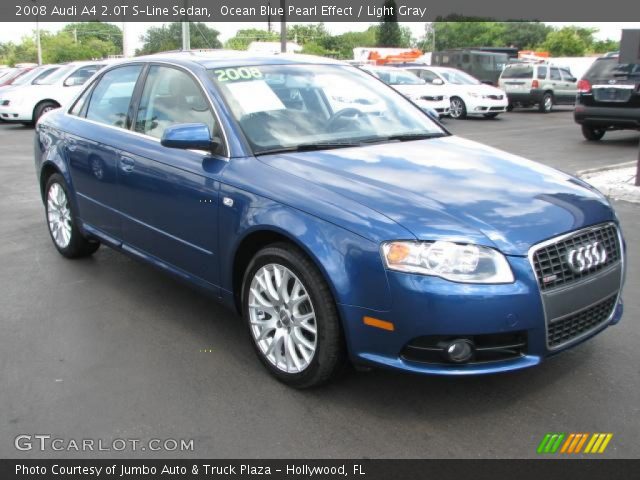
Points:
(45, 100)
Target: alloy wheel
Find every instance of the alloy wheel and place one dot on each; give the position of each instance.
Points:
(59, 215)
(282, 318)
(456, 108)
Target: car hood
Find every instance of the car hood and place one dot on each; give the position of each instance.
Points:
(454, 188)
(418, 89)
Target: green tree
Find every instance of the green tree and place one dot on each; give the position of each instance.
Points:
(169, 37)
(460, 34)
(388, 34)
(604, 46)
(566, 42)
(525, 35)
(346, 42)
(87, 31)
(242, 38)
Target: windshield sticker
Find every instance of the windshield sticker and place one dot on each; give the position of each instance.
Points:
(237, 74)
(255, 96)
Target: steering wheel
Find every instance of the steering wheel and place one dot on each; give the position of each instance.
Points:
(344, 113)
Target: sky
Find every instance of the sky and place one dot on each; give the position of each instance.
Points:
(14, 31)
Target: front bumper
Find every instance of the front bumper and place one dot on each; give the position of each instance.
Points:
(483, 106)
(16, 113)
(430, 306)
(440, 106)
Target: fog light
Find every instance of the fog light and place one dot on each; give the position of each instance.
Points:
(459, 351)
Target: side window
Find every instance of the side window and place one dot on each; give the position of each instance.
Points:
(427, 76)
(81, 75)
(171, 97)
(78, 107)
(566, 74)
(542, 73)
(109, 103)
(555, 74)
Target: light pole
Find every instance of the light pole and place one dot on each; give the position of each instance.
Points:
(186, 33)
(38, 46)
(283, 28)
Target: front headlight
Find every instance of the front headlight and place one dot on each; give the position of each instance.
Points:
(465, 263)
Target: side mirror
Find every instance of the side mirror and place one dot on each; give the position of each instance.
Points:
(189, 136)
(74, 81)
(572, 79)
(437, 81)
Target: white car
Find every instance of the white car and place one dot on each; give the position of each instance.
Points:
(27, 103)
(468, 96)
(418, 91)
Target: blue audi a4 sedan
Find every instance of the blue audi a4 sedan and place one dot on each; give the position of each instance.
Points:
(334, 215)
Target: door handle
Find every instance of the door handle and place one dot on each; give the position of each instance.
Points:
(127, 164)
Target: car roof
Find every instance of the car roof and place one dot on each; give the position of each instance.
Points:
(233, 58)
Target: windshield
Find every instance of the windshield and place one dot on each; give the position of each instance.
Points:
(396, 76)
(5, 72)
(458, 78)
(609, 68)
(287, 107)
(33, 75)
(518, 71)
(55, 76)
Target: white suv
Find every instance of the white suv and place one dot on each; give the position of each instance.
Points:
(27, 103)
(541, 84)
(468, 96)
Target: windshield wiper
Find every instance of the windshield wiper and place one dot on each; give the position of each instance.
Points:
(405, 137)
(308, 147)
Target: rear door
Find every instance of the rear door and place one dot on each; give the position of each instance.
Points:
(170, 196)
(98, 123)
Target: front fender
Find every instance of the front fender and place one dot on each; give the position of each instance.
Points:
(350, 263)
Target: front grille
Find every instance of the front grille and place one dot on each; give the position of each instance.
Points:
(495, 97)
(612, 94)
(432, 98)
(487, 348)
(574, 325)
(550, 261)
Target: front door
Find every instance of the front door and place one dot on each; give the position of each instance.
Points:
(170, 196)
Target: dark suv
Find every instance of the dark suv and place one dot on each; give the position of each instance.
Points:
(608, 98)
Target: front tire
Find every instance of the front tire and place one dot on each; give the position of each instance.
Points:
(593, 134)
(292, 318)
(457, 109)
(62, 221)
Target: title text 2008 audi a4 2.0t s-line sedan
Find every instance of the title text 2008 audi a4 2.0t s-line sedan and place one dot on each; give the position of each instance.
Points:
(332, 213)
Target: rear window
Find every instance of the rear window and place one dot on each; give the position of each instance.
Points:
(609, 68)
(518, 71)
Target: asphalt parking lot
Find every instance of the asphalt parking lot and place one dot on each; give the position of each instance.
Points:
(108, 348)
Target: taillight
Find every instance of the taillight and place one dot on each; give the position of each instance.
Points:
(584, 86)
(535, 84)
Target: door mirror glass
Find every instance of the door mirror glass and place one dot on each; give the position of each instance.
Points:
(437, 81)
(189, 136)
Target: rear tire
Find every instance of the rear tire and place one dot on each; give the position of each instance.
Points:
(299, 341)
(62, 221)
(546, 104)
(593, 134)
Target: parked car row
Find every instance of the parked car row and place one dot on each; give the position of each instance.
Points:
(38, 90)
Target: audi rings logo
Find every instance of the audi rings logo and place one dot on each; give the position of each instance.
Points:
(586, 257)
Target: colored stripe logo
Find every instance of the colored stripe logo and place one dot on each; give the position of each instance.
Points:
(573, 443)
